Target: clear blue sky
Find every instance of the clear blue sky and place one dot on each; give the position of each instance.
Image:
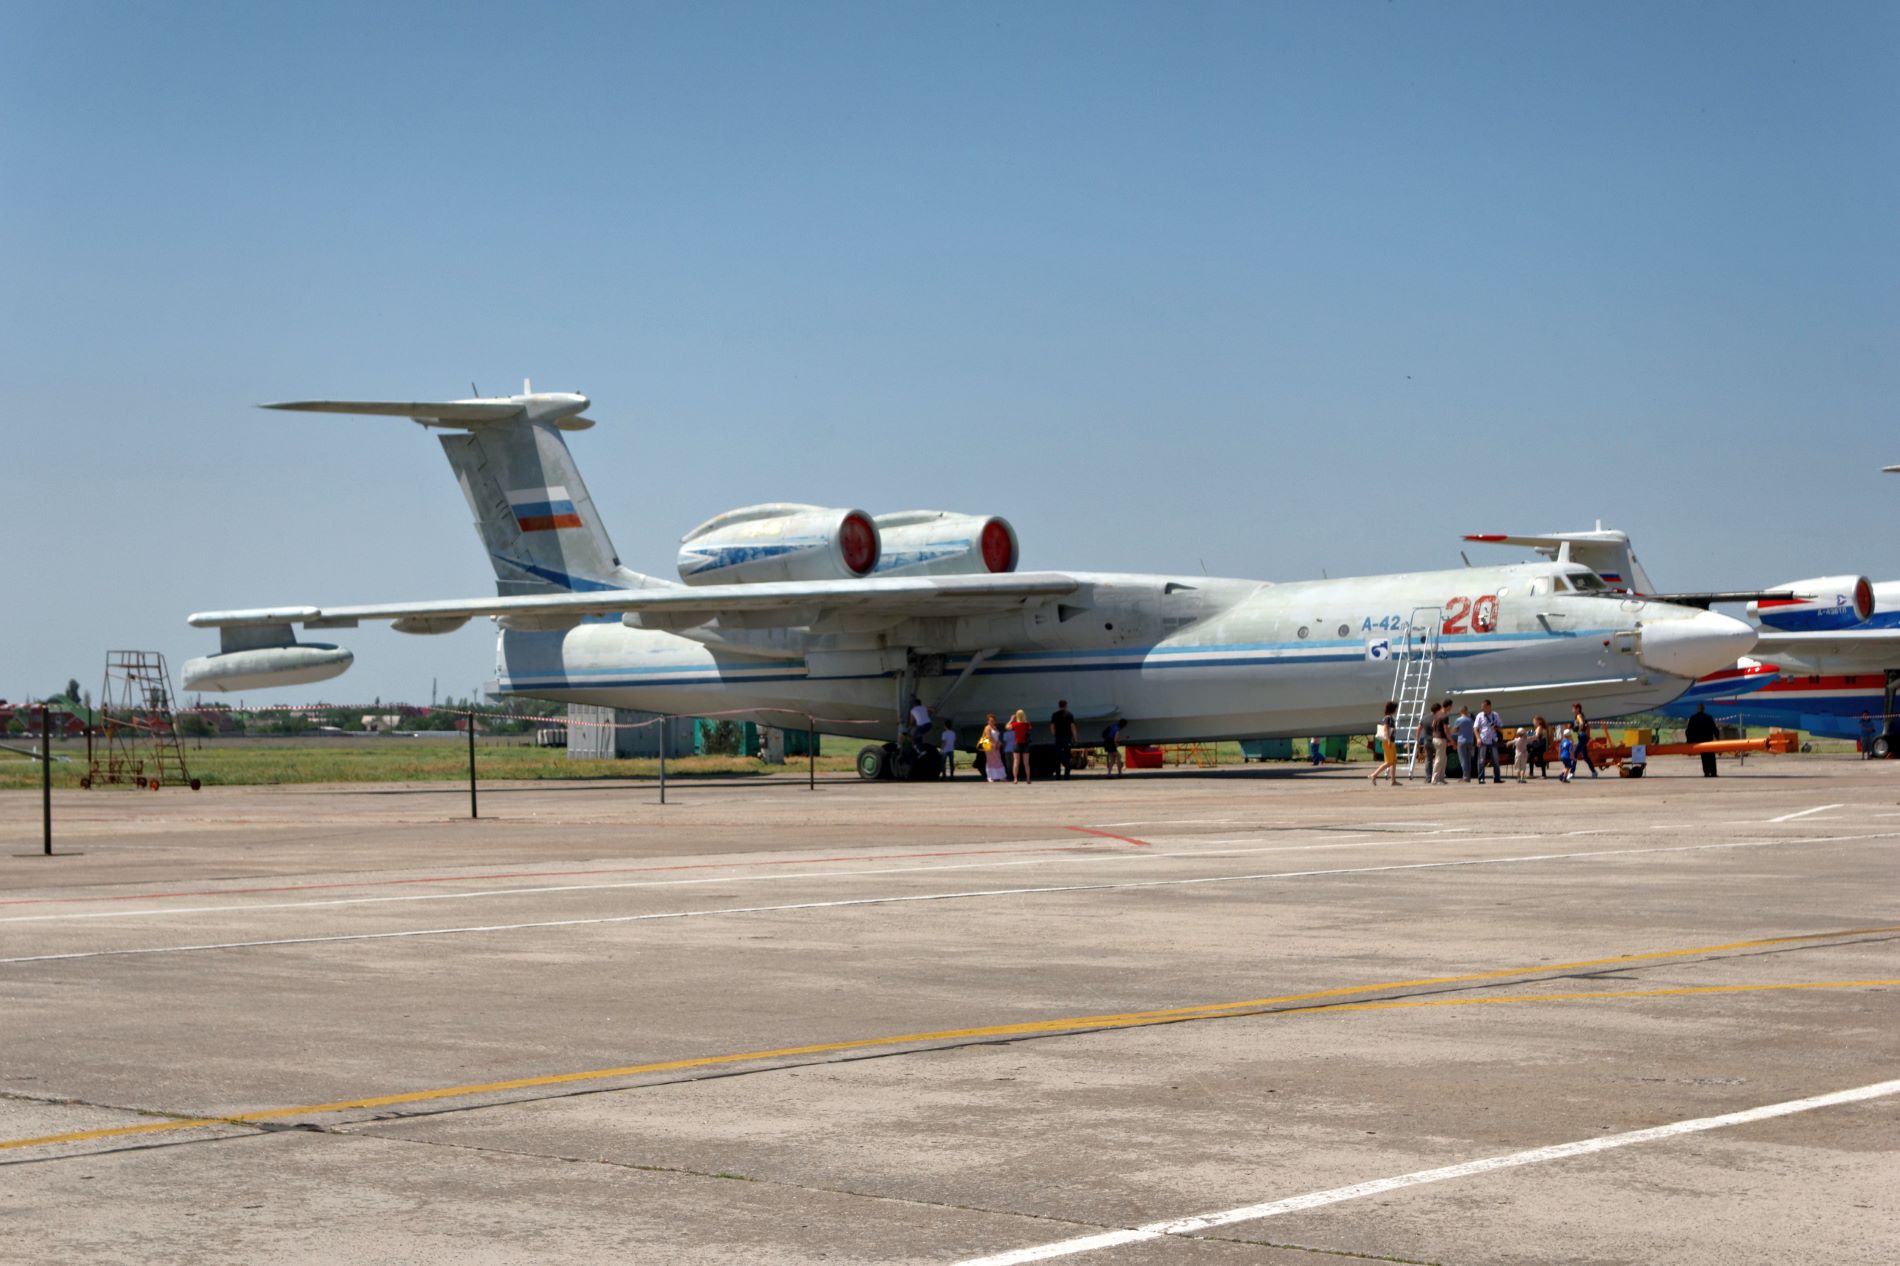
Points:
(1268, 288)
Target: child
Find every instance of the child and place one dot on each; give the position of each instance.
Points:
(1521, 751)
(1567, 753)
(949, 748)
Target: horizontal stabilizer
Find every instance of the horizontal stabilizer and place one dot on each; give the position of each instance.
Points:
(1607, 553)
(556, 408)
(445, 410)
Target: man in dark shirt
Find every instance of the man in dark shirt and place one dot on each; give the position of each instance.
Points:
(1062, 726)
(1701, 729)
(1425, 752)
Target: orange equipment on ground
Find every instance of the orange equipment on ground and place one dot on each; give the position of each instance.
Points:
(1777, 743)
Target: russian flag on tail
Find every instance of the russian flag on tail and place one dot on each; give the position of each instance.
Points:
(542, 509)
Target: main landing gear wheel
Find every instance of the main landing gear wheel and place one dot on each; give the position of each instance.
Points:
(1882, 747)
(873, 763)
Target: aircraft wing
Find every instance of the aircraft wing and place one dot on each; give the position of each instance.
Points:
(1840, 651)
(684, 606)
(1702, 598)
(1857, 642)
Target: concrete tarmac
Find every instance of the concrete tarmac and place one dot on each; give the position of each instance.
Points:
(1268, 1015)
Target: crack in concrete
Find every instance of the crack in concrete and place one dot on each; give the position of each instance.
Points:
(1052, 1219)
(1529, 978)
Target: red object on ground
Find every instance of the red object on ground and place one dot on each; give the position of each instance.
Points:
(1144, 757)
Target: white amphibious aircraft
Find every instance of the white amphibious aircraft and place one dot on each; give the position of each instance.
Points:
(786, 613)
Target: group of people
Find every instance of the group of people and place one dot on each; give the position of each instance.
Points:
(1003, 749)
(1479, 743)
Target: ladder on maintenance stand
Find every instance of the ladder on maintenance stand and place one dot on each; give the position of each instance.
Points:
(1412, 680)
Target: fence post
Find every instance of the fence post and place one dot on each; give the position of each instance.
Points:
(663, 720)
(811, 755)
(46, 776)
(472, 812)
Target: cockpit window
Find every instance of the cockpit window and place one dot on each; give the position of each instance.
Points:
(1557, 585)
(1587, 582)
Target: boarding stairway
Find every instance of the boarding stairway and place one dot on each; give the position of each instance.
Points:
(1412, 680)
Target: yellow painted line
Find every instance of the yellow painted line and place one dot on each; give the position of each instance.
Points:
(1401, 1003)
(1087, 1023)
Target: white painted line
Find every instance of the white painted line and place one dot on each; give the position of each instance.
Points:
(916, 897)
(1819, 808)
(1378, 1186)
(530, 890)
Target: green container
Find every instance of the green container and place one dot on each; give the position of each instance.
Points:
(747, 735)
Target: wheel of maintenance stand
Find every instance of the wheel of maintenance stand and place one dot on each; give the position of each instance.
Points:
(195, 784)
(871, 763)
(85, 783)
(152, 784)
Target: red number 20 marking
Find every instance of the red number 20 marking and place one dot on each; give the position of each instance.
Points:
(1481, 612)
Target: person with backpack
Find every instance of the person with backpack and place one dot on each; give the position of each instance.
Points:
(1581, 724)
(991, 747)
(1388, 736)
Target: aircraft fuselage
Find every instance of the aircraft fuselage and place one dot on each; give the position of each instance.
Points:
(1179, 657)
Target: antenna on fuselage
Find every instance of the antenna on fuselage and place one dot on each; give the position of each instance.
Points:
(1465, 556)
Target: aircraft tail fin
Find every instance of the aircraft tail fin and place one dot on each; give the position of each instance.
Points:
(531, 507)
(1607, 553)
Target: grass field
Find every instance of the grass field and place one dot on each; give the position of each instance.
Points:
(259, 762)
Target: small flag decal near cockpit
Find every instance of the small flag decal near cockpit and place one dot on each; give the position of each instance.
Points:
(542, 509)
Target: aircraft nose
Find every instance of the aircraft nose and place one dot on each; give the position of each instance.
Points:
(1696, 645)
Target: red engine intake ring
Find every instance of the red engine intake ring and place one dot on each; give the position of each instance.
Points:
(857, 540)
(999, 551)
(1863, 600)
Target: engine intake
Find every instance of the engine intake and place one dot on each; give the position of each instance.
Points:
(939, 543)
(780, 541)
(1823, 603)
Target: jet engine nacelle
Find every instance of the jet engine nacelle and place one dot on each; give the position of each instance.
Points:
(265, 666)
(1828, 602)
(780, 542)
(937, 543)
